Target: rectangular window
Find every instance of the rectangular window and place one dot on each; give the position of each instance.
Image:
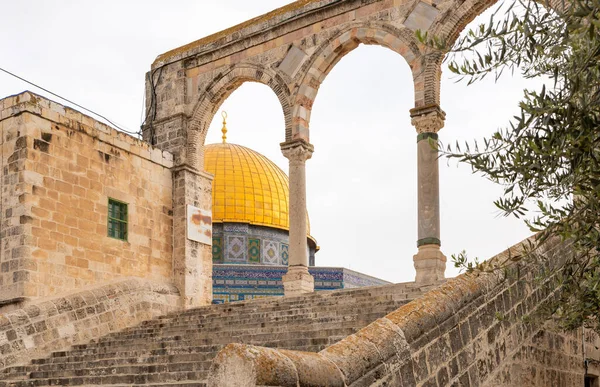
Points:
(117, 219)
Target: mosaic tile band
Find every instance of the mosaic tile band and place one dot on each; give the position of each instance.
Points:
(245, 282)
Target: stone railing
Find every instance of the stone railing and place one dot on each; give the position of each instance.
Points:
(466, 331)
(58, 322)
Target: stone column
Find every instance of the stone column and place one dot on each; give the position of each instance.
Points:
(192, 255)
(429, 261)
(297, 280)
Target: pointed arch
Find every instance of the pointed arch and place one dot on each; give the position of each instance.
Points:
(218, 91)
(314, 72)
(460, 13)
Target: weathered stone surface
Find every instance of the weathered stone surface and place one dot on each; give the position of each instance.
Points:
(298, 281)
(192, 263)
(292, 61)
(422, 17)
(179, 347)
(427, 342)
(59, 322)
(239, 365)
(469, 331)
(66, 166)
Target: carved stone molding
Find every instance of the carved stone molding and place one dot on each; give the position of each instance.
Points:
(297, 151)
(429, 119)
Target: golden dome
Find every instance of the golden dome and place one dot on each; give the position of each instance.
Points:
(247, 187)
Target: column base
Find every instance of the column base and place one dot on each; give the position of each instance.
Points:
(298, 281)
(430, 264)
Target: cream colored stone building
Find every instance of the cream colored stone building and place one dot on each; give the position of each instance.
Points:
(66, 179)
(59, 170)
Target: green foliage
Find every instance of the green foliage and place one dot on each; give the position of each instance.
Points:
(548, 158)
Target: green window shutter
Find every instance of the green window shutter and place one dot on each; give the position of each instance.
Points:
(117, 219)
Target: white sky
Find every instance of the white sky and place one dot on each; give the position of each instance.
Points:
(362, 177)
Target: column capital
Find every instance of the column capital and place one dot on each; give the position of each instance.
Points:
(297, 150)
(427, 119)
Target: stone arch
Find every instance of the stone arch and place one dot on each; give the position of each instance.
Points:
(458, 17)
(317, 68)
(219, 89)
(428, 80)
(459, 14)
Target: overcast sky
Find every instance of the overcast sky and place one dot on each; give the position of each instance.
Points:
(362, 178)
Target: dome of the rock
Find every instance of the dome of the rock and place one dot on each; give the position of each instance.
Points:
(247, 187)
(250, 222)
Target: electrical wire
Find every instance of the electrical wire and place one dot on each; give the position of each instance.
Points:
(71, 102)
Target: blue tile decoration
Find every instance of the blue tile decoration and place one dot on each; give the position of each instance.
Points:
(238, 275)
(354, 279)
(285, 253)
(254, 250)
(217, 249)
(236, 227)
(244, 282)
(235, 248)
(231, 232)
(270, 253)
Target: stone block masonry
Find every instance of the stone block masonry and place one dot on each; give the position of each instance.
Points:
(177, 349)
(59, 169)
(58, 322)
(292, 50)
(470, 331)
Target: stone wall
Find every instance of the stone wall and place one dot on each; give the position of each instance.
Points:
(470, 331)
(15, 255)
(59, 168)
(548, 358)
(56, 323)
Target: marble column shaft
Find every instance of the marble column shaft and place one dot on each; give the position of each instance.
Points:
(429, 191)
(297, 280)
(430, 263)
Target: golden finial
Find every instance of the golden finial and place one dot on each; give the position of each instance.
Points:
(224, 128)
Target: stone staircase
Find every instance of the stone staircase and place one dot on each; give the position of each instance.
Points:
(177, 349)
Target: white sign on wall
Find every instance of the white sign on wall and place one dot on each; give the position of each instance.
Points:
(199, 225)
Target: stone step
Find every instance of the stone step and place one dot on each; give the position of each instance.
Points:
(121, 361)
(63, 357)
(241, 315)
(204, 338)
(91, 354)
(177, 349)
(248, 326)
(290, 303)
(128, 362)
(96, 360)
(269, 318)
(255, 327)
(201, 339)
(31, 383)
(273, 315)
(250, 323)
(191, 319)
(88, 370)
(171, 378)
